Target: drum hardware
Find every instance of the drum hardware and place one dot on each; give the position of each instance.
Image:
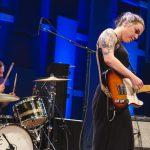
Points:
(51, 113)
(46, 130)
(36, 132)
(51, 99)
(52, 93)
(36, 137)
(64, 125)
(35, 91)
(11, 147)
(8, 98)
(52, 78)
(49, 128)
(51, 110)
(50, 144)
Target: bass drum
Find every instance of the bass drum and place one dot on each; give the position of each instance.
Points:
(15, 135)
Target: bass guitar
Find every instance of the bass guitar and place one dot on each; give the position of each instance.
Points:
(121, 90)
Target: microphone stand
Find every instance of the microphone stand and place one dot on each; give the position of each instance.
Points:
(88, 65)
(69, 40)
(89, 52)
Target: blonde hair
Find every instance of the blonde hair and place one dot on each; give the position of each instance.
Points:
(129, 18)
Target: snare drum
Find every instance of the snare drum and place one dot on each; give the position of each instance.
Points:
(17, 136)
(30, 111)
(6, 119)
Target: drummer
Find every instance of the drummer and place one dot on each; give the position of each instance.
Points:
(4, 109)
(2, 86)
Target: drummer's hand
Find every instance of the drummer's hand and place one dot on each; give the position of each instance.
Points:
(12, 93)
(2, 88)
(4, 104)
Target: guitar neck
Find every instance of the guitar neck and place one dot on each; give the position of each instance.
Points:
(145, 88)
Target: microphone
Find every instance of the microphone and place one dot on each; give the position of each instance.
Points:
(39, 27)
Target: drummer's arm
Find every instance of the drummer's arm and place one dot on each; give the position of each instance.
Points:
(4, 104)
(2, 88)
(12, 93)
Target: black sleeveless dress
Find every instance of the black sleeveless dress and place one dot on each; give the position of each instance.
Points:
(118, 133)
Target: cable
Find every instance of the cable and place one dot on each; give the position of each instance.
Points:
(87, 84)
(66, 129)
(49, 22)
(114, 112)
(94, 112)
(65, 38)
(138, 133)
(67, 139)
(135, 118)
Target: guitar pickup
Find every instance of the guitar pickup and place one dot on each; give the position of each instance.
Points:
(120, 101)
(121, 89)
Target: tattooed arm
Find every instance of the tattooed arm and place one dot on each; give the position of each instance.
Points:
(106, 42)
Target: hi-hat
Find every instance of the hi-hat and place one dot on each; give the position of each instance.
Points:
(8, 98)
(52, 78)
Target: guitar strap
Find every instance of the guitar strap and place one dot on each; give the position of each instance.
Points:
(103, 88)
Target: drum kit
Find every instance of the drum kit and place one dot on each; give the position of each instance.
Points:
(23, 129)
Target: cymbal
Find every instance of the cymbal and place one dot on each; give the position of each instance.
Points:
(49, 79)
(8, 98)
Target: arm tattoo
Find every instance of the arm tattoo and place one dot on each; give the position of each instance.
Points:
(108, 41)
(107, 52)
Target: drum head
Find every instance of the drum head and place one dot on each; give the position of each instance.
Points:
(17, 136)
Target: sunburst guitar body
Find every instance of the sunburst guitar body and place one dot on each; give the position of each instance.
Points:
(121, 90)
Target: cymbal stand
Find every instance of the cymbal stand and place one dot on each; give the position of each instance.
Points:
(51, 109)
(52, 92)
(51, 99)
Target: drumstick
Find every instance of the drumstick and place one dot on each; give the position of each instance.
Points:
(15, 83)
(12, 64)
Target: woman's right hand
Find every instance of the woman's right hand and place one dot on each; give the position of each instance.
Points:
(2, 88)
(136, 82)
